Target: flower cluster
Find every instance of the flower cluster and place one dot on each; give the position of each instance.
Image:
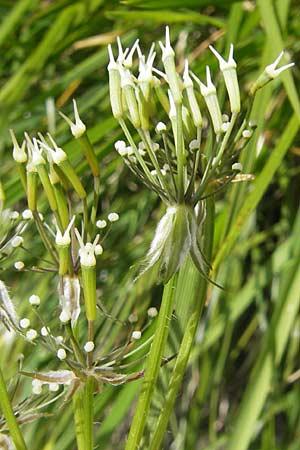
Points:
(181, 158)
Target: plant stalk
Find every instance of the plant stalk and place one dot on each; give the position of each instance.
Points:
(153, 365)
(11, 420)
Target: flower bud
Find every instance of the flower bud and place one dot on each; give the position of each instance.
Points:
(63, 242)
(114, 86)
(19, 153)
(88, 273)
(270, 73)
(191, 97)
(209, 93)
(168, 59)
(228, 69)
(128, 89)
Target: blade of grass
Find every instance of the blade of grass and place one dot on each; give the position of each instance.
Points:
(168, 16)
(153, 365)
(14, 17)
(272, 347)
(272, 28)
(260, 186)
(10, 417)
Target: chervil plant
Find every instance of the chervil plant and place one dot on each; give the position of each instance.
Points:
(183, 147)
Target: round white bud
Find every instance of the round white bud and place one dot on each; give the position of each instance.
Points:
(113, 217)
(98, 250)
(101, 224)
(37, 386)
(152, 312)
(44, 331)
(225, 126)
(27, 214)
(247, 134)
(31, 334)
(34, 300)
(64, 317)
(59, 340)
(24, 323)
(194, 145)
(89, 346)
(120, 145)
(19, 265)
(17, 241)
(237, 166)
(136, 335)
(160, 127)
(14, 215)
(53, 387)
(61, 354)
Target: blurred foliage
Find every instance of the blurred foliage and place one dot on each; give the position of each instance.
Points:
(54, 51)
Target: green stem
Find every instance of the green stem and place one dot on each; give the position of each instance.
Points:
(78, 408)
(10, 417)
(89, 413)
(153, 365)
(44, 237)
(95, 201)
(179, 153)
(198, 290)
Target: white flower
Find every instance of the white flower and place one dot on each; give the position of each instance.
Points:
(271, 70)
(193, 104)
(160, 127)
(19, 153)
(78, 128)
(64, 239)
(168, 59)
(209, 93)
(87, 251)
(228, 68)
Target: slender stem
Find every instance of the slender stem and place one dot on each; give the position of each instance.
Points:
(198, 291)
(89, 413)
(225, 140)
(179, 154)
(153, 365)
(90, 338)
(10, 417)
(197, 157)
(78, 408)
(85, 220)
(147, 141)
(137, 154)
(44, 236)
(96, 200)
